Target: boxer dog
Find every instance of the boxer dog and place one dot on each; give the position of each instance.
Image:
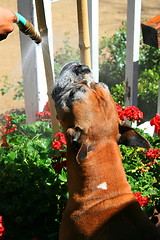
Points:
(101, 205)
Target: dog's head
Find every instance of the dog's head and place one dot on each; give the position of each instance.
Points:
(88, 113)
(71, 74)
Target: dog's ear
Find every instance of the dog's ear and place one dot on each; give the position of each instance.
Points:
(130, 137)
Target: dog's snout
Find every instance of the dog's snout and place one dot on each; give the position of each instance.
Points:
(81, 69)
(68, 66)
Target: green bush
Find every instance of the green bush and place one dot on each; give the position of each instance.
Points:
(148, 91)
(112, 58)
(32, 194)
(143, 172)
(112, 71)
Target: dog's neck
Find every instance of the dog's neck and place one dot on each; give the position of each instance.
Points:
(100, 176)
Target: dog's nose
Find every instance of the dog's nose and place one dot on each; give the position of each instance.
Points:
(81, 69)
(68, 66)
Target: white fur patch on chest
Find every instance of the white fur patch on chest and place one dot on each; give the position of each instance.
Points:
(103, 186)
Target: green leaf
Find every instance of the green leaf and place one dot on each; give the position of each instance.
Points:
(12, 155)
(63, 176)
(43, 143)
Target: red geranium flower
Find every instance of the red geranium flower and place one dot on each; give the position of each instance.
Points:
(120, 111)
(7, 128)
(156, 122)
(143, 201)
(56, 145)
(1, 227)
(7, 118)
(59, 135)
(153, 153)
(61, 138)
(132, 113)
(43, 114)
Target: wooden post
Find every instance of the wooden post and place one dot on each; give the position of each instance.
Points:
(132, 51)
(93, 14)
(48, 64)
(84, 41)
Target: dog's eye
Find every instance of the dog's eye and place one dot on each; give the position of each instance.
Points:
(73, 139)
(73, 135)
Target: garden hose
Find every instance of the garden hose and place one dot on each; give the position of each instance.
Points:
(27, 28)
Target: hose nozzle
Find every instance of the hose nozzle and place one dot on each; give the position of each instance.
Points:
(27, 28)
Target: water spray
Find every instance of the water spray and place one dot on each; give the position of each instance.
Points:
(27, 28)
